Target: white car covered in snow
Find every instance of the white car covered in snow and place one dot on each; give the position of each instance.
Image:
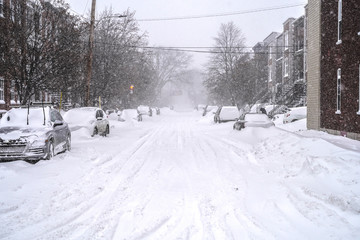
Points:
(253, 120)
(144, 110)
(295, 114)
(226, 113)
(92, 118)
(209, 109)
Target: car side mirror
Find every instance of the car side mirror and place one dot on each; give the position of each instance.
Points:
(58, 123)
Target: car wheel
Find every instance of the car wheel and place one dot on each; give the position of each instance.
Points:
(106, 131)
(68, 144)
(50, 151)
(95, 132)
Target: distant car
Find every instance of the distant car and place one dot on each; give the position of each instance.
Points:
(208, 108)
(295, 114)
(144, 110)
(110, 111)
(273, 110)
(92, 118)
(226, 113)
(253, 120)
(33, 134)
(113, 114)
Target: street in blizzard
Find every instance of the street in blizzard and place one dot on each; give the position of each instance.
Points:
(179, 120)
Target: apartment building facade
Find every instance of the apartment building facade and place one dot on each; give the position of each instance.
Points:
(334, 67)
(286, 83)
(264, 55)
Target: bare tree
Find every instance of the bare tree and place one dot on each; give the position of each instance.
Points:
(42, 47)
(221, 75)
(119, 60)
(168, 67)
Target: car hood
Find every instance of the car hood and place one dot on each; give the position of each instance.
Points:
(22, 133)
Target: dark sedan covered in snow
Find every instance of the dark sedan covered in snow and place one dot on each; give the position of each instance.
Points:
(33, 134)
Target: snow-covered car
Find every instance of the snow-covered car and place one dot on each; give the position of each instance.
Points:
(144, 110)
(92, 118)
(226, 113)
(253, 120)
(208, 109)
(110, 111)
(295, 114)
(273, 110)
(32, 134)
(113, 114)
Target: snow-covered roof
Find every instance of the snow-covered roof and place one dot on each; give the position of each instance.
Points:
(19, 117)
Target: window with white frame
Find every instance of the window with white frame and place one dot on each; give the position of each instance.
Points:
(1, 90)
(338, 95)
(339, 21)
(270, 74)
(270, 52)
(286, 43)
(286, 66)
(1, 8)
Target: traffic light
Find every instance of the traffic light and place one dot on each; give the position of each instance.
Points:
(131, 89)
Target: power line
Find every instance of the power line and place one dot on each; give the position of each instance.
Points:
(195, 49)
(221, 14)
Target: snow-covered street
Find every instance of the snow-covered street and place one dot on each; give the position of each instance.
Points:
(180, 176)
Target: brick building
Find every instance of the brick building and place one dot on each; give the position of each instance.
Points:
(334, 66)
(264, 57)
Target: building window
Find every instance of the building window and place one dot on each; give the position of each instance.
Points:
(286, 66)
(338, 95)
(339, 21)
(286, 40)
(2, 91)
(270, 52)
(1, 8)
(270, 74)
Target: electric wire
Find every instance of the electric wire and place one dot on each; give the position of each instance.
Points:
(215, 14)
(221, 14)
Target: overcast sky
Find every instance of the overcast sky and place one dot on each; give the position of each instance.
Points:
(198, 32)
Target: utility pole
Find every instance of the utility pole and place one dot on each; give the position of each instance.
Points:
(90, 57)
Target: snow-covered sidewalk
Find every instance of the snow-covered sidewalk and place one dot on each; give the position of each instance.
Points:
(180, 176)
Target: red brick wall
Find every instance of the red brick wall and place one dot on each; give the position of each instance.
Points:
(345, 56)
